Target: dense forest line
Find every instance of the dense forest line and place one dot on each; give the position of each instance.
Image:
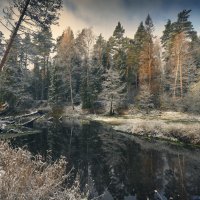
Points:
(107, 76)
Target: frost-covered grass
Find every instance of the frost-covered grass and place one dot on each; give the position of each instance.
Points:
(23, 176)
(167, 125)
(187, 133)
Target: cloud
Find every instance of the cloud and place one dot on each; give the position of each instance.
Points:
(103, 15)
(67, 18)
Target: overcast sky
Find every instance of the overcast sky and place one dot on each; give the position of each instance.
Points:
(103, 15)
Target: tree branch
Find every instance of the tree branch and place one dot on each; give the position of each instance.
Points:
(3, 61)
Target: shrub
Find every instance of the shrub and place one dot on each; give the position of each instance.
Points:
(23, 176)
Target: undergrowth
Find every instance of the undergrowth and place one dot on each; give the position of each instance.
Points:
(26, 177)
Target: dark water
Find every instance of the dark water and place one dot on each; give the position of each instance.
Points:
(117, 166)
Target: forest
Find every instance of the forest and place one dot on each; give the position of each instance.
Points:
(102, 76)
(83, 116)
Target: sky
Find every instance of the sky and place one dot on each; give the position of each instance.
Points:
(103, 15)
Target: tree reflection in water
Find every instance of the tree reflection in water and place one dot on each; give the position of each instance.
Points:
(117, 166)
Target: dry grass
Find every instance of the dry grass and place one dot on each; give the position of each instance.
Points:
(24, 177)
(167, 125)
(187, 133)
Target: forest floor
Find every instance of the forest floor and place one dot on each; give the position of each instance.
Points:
(173, 126)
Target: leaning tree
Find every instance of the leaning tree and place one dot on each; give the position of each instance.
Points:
(28, 13)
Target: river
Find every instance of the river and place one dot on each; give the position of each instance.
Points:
(118, 166)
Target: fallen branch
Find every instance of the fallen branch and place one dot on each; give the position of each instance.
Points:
(29, 123)
(26, 120)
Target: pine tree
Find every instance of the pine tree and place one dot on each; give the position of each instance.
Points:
(146, 54)
(14, 82)
(148, 59)
(26, 53)
(176, 40)
(42, 47)
(42, 13)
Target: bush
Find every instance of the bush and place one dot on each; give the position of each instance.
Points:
(23, 176)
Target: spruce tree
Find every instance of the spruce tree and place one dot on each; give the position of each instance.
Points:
(118, 49)
(57, 90)
(113, 91)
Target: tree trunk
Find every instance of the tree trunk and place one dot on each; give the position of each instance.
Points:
(149, 64)
(136, 81)
(176, 76)
(3, 61)
(43, 81)
(71, 88)
(181, 79)
(111, 106)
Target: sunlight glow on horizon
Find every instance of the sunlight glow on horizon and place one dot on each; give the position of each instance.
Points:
(103, 17)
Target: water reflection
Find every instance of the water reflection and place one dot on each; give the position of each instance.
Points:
(117, 166)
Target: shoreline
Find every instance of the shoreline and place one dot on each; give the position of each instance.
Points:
(183, 130)
(176, 127)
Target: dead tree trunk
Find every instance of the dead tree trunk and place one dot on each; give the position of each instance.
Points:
(13, 35)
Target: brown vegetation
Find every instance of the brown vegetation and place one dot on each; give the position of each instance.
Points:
(23, 176)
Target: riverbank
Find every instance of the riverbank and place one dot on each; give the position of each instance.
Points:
(173, 126)
(166, 125)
